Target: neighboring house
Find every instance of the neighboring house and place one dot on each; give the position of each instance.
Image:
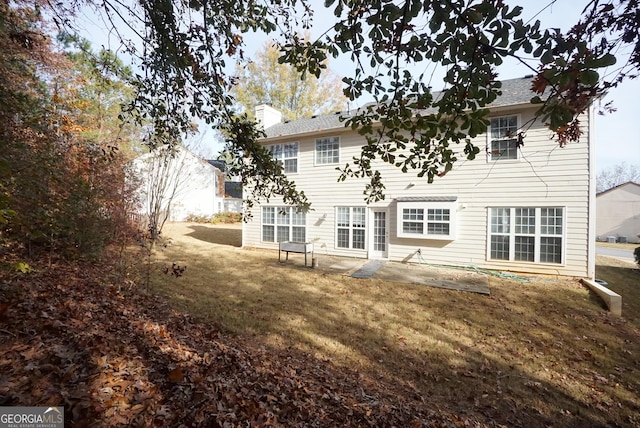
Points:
(220, 164)
(232, 189)
(618, 213)
(183, 184)
(527, 209)
(233, 196)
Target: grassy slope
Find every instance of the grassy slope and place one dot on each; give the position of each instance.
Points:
(530, 354)
(240, 340)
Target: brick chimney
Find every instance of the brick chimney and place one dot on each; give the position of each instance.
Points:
(267, 116)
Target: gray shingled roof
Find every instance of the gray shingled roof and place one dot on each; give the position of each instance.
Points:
(220, 164)
(514, 92)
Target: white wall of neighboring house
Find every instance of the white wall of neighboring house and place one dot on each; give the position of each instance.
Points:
(194, 187)
(618, 213)
(543, 177)
(233, 205)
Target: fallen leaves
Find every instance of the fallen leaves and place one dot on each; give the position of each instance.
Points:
(116, 356)
(120, 356)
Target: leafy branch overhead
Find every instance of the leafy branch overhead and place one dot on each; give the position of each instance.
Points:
(188, 45)
(411, 128)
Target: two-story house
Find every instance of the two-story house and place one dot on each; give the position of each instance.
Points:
(513, 208)
(180, 184)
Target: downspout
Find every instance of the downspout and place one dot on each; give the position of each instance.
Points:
(591, 209)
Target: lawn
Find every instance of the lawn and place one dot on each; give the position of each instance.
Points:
(224, 336)
(543, 353)
(618, 246)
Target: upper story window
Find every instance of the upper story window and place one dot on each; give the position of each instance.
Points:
(287, 154)
(427, 218)
(503, 138)
(327, 150)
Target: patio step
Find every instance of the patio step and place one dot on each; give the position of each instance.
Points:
(368, 269)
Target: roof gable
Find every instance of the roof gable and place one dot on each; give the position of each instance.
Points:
(181, 154)
(619, 186)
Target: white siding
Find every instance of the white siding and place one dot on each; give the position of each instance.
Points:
(545, 176)
(193, 181)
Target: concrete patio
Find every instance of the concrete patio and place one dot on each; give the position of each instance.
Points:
(433, 276)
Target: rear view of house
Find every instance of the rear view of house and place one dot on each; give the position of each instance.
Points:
(514, 208)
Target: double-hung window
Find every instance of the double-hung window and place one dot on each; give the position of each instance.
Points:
(503, 138)
(327, 150)
(526, 234)
(426, 218)
(287, 154)
(551, 231)
(351, 227)
(283, 224)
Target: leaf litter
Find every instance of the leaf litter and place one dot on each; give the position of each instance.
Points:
(115, 356)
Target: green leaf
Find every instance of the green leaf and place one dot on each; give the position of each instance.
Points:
(606, 60)
(546, 57)
(22, 267)
(589, 77)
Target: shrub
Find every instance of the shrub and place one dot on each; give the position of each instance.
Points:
(195, 218)
(226, 217)
(215, 219)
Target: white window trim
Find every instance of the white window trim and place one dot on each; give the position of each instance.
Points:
(315, 151)
(282, 158)
(512, 235)
(426, 206)
(275, 224)
(351, 228)
(490, 157)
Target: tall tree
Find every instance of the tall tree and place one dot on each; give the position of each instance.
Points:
(617, 175)
(265, 80)
(57, 188)
(164, 173)
(185, 47)
(96, 88)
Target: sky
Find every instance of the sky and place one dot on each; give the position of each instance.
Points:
(617, 138)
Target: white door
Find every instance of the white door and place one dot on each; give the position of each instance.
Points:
(379, 234)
